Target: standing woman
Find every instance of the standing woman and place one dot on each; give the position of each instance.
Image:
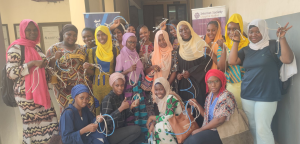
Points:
(33, 100)
(213, 34)
(192, 65)
(261, 86)
(129, 64)
(163, 59)
(172, 32)
(105, 56)
(117, 35)
(88, 38)
(66, 58)
(131, 29)
(233, 73)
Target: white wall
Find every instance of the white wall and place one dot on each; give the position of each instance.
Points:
(253, 9)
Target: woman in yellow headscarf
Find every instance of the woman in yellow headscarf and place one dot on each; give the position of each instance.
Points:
(193, 64)
(104, 56)
(233, 73)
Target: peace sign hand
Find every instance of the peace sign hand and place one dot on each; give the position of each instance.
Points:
(282, 30)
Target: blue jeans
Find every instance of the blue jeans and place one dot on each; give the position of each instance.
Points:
(260, 115)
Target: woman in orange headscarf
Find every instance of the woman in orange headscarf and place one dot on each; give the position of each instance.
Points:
(163, 60)
(213, 34)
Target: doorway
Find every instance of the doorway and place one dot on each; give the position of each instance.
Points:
(177, 11)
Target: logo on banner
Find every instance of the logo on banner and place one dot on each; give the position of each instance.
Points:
(97, 23)
(197, 15)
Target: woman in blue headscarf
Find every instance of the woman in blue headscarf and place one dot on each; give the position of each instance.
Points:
(76, 121)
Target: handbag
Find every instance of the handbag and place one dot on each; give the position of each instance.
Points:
(147, 83)
(184, 124)
(236, 130)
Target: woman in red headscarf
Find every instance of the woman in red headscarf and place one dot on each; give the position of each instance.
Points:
(219, 106)
(30, 87)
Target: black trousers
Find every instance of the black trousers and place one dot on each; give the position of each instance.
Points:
(204, 137)
(127, 135)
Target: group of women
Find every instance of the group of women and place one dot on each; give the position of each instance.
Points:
(214, 75)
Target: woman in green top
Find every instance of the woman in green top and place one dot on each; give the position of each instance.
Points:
(168, 104)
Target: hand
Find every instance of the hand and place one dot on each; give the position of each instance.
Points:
(156, 68)
(179, 76)
(92, 127)
(236, 36)
(86, 65)
(208, 50)
(283, 30)
(125, 105)
(186, 74)
(58, 54)
(40, 63)
(115, 24)
(151, 128)
(193, 102)
(163, 25)
(132, 68)
(220, 42)
(99, 118)
(196, 131)
(150, 119)
(135, 103)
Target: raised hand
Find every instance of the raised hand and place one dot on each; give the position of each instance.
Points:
(281, 31)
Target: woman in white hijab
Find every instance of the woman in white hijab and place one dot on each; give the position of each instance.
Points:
(261, 86)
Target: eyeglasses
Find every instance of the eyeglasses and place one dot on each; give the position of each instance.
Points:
(131, 42)
(213, 82)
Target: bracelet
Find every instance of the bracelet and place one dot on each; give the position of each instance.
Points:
(235, 41)
(282, 37)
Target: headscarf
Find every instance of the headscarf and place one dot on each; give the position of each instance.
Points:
(40, 95)
(220, 75)
(115, 76)
(162, 103)
(162, 56)
(215, 46)
(66, 28)
(192, 49)
(128, 58)
(263, 29)
(236, 18)
(104, 52)
(78, 89)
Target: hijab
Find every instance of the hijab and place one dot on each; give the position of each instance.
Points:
(36, 87)
(236, 18)
(215, 46)
(104, 51)
(162, 56)
(192, 49)
(78, 89)
(263, 29)
(129, 58)
(162, 103)
(115, 76)
(220, 75)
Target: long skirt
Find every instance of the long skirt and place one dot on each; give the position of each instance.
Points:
(39, 124)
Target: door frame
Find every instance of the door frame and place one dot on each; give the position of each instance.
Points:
(185, 13)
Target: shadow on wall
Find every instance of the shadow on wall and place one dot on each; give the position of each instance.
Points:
(286, 127)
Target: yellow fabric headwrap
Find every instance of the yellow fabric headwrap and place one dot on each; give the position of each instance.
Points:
(104, 52)
(236, 18)
(192, 49)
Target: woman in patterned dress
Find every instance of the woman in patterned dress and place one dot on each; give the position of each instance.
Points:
(219, 106)
(38, 114)
(66, 58)
(168, 104)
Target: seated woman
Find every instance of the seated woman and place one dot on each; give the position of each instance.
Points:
(168, 104)
(219, 106)
(115, 105)
(77, 121)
